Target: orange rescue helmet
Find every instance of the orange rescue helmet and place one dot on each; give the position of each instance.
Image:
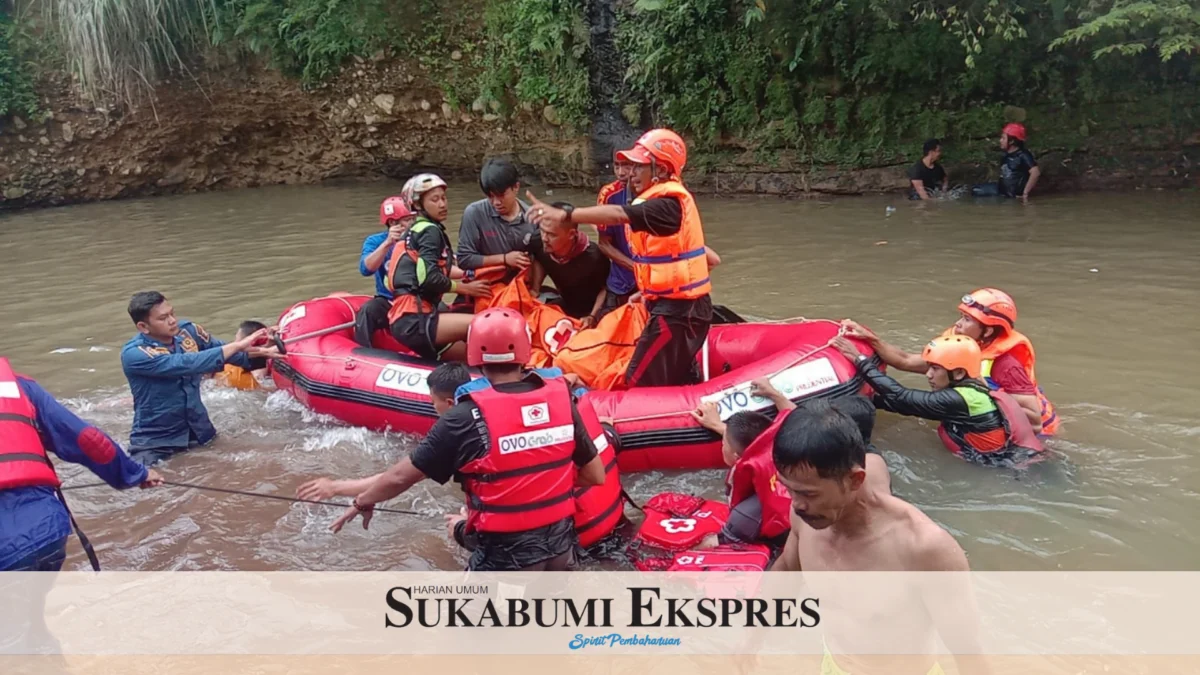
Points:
(498, 335)
(990, 307)
(394, 208)
(662, 146)
(1014, 130)
(953, 352)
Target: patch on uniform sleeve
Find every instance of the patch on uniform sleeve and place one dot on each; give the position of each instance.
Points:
(98, 447)
(203, 334)
(189, 344)
(154, 351)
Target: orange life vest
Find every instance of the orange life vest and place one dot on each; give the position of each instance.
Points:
(409, 300)
(236, 377)
(675, 266)
(755, 474)
(23, 459)
(527, 478)
(598, 508)
(1015, 343)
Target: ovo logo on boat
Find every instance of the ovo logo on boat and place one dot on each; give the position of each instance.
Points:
(401, 378)
(802, 380)
(532, 440)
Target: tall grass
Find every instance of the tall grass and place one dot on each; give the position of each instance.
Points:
(118, 49)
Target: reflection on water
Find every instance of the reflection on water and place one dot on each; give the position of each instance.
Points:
(1105, 284)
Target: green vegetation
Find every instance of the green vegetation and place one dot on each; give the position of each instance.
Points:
(16, 79)
(310, 39)
(852, 82)
(535, 54)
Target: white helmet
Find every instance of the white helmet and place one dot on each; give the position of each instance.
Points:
(417, 186)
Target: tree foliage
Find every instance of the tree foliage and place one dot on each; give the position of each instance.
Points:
(848, 80)
(1120, 27)
(16, 79)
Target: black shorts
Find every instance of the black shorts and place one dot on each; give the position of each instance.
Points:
(418, 332)
(372, 316)
(550, 548)
(744, 525)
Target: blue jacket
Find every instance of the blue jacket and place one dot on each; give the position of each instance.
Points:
(32, 518)
(165, 381)
(369, 245)
(620, 279)
(483, 383)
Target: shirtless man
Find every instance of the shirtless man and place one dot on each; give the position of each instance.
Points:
(837, 526)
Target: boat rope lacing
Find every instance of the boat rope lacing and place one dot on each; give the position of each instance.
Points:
(638, 418)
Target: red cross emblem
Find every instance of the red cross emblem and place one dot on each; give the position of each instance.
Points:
(559, 334)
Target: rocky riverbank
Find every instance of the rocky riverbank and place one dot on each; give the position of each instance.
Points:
(247, 127)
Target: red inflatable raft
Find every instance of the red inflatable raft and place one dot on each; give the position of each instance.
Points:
(381, 388)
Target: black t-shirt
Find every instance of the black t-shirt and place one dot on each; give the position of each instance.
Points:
(456, 439)
(931, 178)
(579, 280)
(1014, 172)
(660, 216)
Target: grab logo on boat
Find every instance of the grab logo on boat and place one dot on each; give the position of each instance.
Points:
(403, 378)
(532, 440)
(797, 381)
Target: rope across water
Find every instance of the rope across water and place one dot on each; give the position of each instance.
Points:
(244, 493)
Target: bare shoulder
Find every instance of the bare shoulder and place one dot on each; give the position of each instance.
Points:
(931, 547)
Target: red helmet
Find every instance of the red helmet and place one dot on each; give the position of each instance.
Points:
(954, 351)
(1014, 130)
(394, 208)
(498, 335)
(659, 145)
(990, 307)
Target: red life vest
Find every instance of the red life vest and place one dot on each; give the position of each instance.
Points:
(755, 474)
(23, 459)
(724, 558)
(674, 522)
(598, 508)
(527, 478)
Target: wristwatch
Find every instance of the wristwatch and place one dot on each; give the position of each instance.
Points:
(567, 208)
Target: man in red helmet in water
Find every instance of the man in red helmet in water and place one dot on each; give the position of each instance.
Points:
(670, 260)
(517, 447)
(989, 316)
(396, 218)
(1019, 170)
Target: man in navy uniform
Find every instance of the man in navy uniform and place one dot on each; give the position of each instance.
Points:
(164, 364)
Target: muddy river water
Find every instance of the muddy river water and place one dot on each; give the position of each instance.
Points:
(1108, 288)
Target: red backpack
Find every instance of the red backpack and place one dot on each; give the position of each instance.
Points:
(674, 522)
(724, 558)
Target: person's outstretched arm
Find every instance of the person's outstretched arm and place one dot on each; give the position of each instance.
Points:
(73, 440)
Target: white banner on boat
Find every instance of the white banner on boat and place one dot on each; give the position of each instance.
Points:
(297, 312)
(403, 378)
(797, 381)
